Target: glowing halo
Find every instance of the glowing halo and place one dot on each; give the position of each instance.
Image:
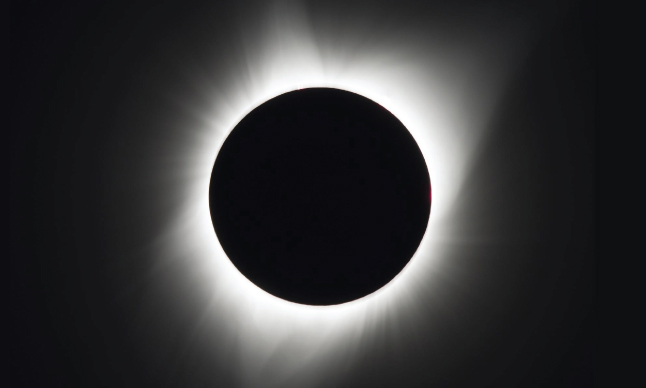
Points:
(427, 93)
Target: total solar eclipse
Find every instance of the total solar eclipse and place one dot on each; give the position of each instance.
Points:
(320, 196)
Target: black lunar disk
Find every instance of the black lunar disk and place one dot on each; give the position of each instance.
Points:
(320, 196)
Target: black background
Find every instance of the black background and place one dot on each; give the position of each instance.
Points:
(83, 76)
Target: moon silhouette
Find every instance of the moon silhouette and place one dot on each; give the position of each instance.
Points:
(320, 196)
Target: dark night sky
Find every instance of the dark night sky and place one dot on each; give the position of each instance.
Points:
(90, 87)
